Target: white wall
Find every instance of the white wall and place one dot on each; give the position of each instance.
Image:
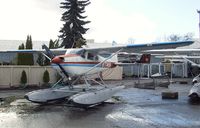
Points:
(11, 75)
(113, 74)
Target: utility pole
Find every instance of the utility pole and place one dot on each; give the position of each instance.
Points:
(198, 11)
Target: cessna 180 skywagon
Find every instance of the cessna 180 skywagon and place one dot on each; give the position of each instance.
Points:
(83, 63)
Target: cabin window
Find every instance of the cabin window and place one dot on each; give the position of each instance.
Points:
(92, 56)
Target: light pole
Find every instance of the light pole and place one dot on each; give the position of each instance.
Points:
(198, 11)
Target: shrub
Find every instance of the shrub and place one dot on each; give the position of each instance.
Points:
(46, 78)
(23, 78)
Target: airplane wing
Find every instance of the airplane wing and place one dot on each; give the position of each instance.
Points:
(130, 48)
(177, 56)
(32, 51)
(172, 51)
(136, 48)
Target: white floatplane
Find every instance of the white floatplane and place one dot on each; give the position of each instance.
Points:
(83, 63)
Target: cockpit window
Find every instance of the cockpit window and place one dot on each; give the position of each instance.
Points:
(84, 54)
(80, 52)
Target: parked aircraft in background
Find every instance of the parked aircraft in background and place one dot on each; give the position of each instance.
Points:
(82, 63)
(194, 92)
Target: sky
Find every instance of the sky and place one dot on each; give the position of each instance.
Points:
(122, 21)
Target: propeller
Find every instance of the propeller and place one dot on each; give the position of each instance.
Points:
(50, 54)
(54, 59)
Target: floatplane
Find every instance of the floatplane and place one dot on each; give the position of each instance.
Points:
(83, 63)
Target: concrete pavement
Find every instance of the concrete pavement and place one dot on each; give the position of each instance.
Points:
(139, 108)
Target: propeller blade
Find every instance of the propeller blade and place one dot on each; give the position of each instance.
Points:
(46, 56)
(63, 70)
(49, 52)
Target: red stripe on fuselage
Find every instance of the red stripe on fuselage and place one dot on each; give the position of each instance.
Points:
(68, 55)
(80, 62)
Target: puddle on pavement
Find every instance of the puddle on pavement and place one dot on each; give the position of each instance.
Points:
(23, 106)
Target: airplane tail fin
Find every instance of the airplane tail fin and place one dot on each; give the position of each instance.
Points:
(145, 58)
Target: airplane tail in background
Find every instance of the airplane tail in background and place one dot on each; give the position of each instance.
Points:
(145, 58)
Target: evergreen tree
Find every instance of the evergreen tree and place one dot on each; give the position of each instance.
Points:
(73, 29)
(25, 58)
(20, 56)
(29, 60)
(79, 43)
(56, 44)
(21, 46)
(51, 44)
(23, 79)
(29, 44)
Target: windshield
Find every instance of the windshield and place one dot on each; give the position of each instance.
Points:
(76, 51)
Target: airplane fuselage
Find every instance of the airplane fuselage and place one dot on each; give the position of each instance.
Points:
(79, 62)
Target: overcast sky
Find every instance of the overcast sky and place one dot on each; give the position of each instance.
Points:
(119, 20)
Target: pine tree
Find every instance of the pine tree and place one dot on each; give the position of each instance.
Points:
(29, 44)
(20, 56)
(56, 44)
(79, 43)
(51, 44)
(21, 46)
(29, 60)
(73, 27)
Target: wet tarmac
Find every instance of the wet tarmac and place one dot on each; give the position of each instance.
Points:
(138, 108)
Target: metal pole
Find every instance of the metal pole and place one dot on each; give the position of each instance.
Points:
(148, 70)
(159, 68)
(198, 11)
(171, 70)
